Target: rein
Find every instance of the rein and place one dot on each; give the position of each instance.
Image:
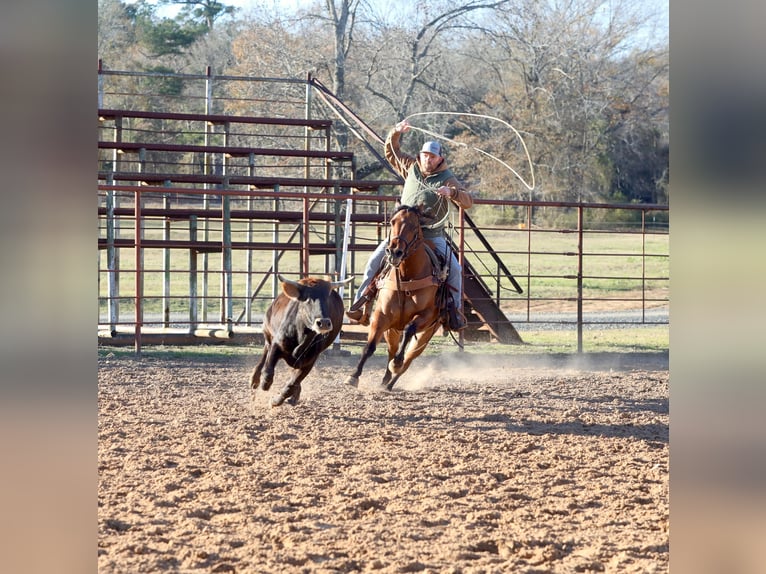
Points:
(408, 245)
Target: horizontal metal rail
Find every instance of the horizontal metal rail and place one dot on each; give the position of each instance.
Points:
(258, 233)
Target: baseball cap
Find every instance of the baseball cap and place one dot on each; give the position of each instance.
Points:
(432, 147)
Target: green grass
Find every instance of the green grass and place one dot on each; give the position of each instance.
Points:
(612, 264)
(631, 340)
(615, 263)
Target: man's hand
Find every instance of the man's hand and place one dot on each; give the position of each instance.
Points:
(402, 127)
(444, 191)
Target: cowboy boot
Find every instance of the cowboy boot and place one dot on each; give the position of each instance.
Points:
(361, 309)
(457, 320)
(356, 311)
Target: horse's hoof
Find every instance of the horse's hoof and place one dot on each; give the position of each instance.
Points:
(352, 381)
(393, 367)
(277, 401)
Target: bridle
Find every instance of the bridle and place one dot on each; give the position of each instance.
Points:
(409, 245)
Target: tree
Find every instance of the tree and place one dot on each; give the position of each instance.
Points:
(417, 51)
(560, 69)
(204, 12)
(638, 137)
(589, 98)
(116, 38)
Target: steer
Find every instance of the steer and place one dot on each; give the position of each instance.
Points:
(300, 323)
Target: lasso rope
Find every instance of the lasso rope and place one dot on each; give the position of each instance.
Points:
(529, 186)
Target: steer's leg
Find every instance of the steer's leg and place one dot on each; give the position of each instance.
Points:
(270, 362)
(255, 378)
(292, 390)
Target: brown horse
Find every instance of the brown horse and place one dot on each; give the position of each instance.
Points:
(406, 312)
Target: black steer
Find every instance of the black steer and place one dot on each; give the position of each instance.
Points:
(300, 323)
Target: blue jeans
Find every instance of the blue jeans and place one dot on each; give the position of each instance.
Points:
(453, 279)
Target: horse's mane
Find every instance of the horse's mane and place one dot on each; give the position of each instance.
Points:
(411, 209)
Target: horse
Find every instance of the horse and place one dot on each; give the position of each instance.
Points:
(406, 312)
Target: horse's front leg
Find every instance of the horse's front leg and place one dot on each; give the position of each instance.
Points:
(395, 359)
(367, 352)
(373, 338)
(408, 353)
(393, 337)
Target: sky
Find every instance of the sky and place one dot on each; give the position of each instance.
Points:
(662, 6)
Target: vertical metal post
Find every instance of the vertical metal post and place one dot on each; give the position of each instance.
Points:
(226, 258)
(206, 197)
(227, 310)
(250, 238)
(193, 318)
(338, 234)
(307, 174)
(112, 290)
(305, 239)
(461, 260)
(332, 262)
(343, 257)
(139, 275)
(529, 258)
(579, 276)
(141, 169)
(275, 240)
(166, 264)
(643, 266)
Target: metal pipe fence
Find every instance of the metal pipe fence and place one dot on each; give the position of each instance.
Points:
(571, 277)
(202, 205)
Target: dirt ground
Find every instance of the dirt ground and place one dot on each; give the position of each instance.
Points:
(473, 463)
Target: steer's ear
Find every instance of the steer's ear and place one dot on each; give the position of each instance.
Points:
(291, 290)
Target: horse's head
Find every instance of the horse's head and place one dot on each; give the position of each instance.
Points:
(405, 234)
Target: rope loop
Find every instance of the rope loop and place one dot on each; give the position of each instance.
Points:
(529, 186)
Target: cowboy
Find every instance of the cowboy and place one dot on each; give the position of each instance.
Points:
(428, 184)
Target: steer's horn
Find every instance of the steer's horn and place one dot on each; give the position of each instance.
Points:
(288, 281)
(342, 283)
